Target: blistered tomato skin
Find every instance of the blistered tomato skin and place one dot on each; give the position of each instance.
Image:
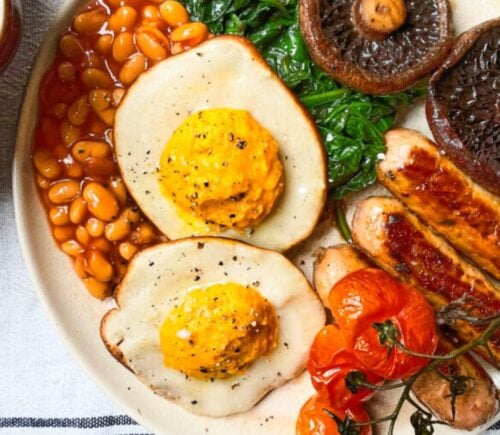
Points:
(314, 420)
(330, 361)
(371, 296)
(108, 45)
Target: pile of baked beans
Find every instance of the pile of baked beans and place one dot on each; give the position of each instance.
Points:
(109, 44)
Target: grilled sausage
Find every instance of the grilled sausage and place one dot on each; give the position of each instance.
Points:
(430, 185)
(331, 265)
(400, 244)
(474, 407)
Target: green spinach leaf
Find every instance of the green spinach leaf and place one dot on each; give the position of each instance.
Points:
(352, 124)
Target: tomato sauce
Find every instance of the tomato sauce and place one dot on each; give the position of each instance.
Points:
(109, 44)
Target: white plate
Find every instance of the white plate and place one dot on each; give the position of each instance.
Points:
(77, 315)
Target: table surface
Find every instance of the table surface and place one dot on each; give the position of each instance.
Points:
(42, 389)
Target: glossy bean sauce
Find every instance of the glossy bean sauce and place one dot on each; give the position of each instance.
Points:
(109, 44)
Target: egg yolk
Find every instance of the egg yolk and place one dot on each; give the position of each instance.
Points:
(216, 332)
(221, 167)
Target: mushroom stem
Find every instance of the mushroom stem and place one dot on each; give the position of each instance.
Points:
(379, 18)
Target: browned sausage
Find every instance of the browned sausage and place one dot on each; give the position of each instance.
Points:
(473, 408)
(430, 185)
(400, 244)
(331, 265)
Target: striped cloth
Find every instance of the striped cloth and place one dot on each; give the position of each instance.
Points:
(42, 390)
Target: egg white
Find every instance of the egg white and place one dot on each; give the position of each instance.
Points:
(223, 72)
(160, 277)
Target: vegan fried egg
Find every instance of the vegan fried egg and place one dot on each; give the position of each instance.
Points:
(221, 324)
(211, 142)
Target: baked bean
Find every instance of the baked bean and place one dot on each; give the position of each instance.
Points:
(123, 47)
(82, 236)
(72, 247)
(70, 46)
(89, 23)
(133, 68)
(117, 186)
(118, 95)
(123, 20)
(104, 44)
(115, 4)
(69, 133)
(66, 72)
(151, 15)
(117, 230)
(46, 165)
(59, 215)
(174, 13)
(191, 33)
(59, 110)
(74, 169)
(64, 191)
(100, 99)
(95, 227)
(92, 60)
(99, 266)
(79, 111)
(108, 116)
(143, 234)
(77, 210)
(80, 266)
(121, 227)
(150, 45)
(127, 250)
(62, 234)
(98, 289)
(95, 78)
(131, 215)
(84, 149)
(101, 202)
(102, 245)
(42, 182)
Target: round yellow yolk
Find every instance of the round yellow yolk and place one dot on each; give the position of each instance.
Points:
(222, 167)
(218, 331)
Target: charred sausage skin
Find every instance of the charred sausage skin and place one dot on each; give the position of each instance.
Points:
(400, 244)
(430, 185)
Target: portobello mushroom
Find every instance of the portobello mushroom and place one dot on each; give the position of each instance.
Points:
(463, 107)
(377, 46)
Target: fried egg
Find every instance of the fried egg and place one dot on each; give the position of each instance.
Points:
(211, 142)
(213, 324)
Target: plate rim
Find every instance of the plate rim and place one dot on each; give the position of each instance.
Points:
(35, 274)
(23, 144)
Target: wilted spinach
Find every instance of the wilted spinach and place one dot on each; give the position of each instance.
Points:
(352, 124)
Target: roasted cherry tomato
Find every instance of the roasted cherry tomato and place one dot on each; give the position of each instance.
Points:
(330, 361)
(368, 299)
(314, 420)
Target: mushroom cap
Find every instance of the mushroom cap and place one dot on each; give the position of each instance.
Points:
(374, 65)
(463, 107)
